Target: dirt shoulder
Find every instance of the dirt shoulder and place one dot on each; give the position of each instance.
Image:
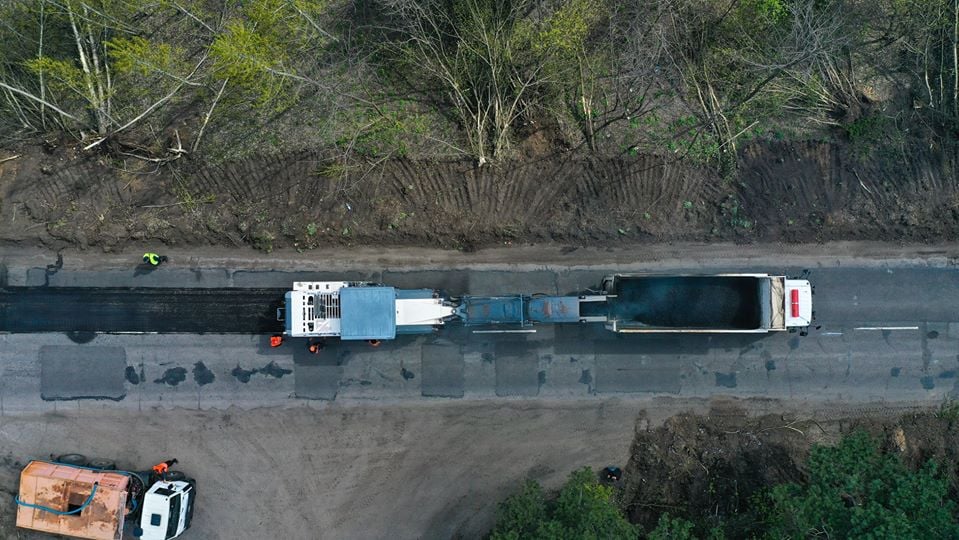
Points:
(784, 192)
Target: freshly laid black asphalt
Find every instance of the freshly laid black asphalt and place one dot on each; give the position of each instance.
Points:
(148, 310)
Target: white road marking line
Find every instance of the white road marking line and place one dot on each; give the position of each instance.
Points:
(887, 328)
(831, 334)
(504, 331)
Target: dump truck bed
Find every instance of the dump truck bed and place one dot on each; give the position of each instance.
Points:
(735, 303)
(64, 488)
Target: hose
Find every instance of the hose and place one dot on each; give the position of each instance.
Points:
(133, 500)
(86, 503)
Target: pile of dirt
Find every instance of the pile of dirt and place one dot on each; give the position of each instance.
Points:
(797, 192)
(709, 468)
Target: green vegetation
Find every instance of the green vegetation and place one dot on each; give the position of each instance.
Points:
(380, 79)
(583, 509)
(853, 490)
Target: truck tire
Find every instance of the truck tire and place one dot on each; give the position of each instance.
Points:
(103, 464)
(175, 476)
(79, 460)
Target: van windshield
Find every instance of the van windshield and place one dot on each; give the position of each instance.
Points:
(174, 519)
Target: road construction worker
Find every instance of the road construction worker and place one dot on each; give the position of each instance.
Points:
(276, 340)
(153, 259)
(160, 469)
(315, 346)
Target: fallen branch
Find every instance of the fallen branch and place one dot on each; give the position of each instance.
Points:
(149, 109)
(11, 158)
(152, 159)
(38, 100)
(206, 119)
(162, 205)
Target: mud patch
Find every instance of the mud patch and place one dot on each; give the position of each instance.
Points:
(131, 375)
(81, 337)
(172, 376)
(243, 375)
(726, 380)
(202, 374)
(270, 370)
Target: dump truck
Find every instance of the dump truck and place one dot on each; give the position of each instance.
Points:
(624, 303)
(79, 498)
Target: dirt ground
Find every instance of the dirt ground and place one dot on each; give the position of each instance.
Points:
(792, 192)
(432, 471)
(438, 470)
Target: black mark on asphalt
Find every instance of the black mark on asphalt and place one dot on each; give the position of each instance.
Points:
(926, 353)
(586, 377)
(81, 337)
(572, 359)
(75, 398)
(243, 375)
(131, 374)
(541, 377)
(770, 365)
(886, 334)
(270, 370)
(948, 374)
(932, 334)
(894, 372)
(548, 358)
(928, 383)
(727, 380)
(275, 371)
(407, 374)
(172, 376)
(794, 344)
(202, 374)
(488, 357)
(351, 382)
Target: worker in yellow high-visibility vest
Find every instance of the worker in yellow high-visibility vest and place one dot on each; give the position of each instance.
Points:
(153, 259)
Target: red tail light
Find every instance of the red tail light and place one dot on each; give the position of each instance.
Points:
(794, 294)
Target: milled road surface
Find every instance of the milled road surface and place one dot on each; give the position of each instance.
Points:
(885, 331)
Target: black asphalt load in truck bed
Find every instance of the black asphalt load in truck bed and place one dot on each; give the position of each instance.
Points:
(161, 310)
(698, 302)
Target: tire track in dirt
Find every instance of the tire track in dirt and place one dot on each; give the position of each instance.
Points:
(804, 191)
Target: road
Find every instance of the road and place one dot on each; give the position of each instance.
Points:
(887, 331)
(421, 437)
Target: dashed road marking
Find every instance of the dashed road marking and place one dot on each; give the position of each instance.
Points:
(887, 328)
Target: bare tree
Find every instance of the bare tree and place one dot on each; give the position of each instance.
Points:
(473, 53)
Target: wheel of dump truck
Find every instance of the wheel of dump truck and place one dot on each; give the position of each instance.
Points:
(79, 460)
(103, 464)
(175, 476)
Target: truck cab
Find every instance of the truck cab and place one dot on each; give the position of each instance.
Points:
(167, 510)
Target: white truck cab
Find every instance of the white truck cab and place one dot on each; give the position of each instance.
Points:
(167, 510)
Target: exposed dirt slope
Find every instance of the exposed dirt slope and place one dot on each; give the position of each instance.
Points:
(794, 192)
